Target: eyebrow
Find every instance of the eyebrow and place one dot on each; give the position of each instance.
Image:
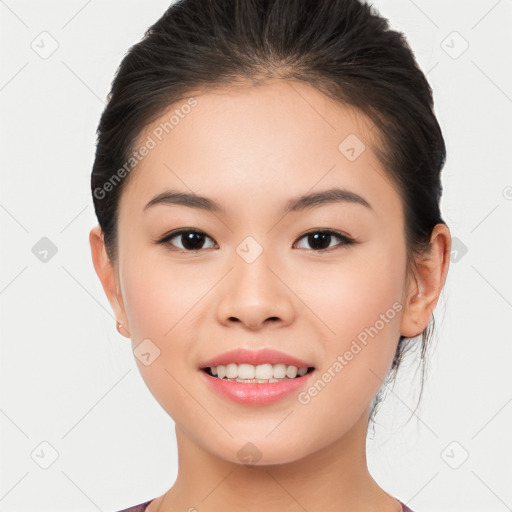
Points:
(304, 202)
(331, 196)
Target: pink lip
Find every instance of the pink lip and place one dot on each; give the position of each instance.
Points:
(256, 393)
(262, 356)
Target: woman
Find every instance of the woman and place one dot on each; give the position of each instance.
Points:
(267, 187)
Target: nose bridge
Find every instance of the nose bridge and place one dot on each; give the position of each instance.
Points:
(252, 278)
(254, 293)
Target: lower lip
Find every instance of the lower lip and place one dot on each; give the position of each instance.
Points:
(256, 393)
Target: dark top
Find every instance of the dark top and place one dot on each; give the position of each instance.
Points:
(137, 508)
(142, 507)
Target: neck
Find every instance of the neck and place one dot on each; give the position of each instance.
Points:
(335, 478)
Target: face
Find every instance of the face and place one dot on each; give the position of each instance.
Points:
(322, 281)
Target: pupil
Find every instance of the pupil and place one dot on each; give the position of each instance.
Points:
(190, 244)
(322, 237)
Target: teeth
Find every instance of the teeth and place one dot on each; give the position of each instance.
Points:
(263, 372)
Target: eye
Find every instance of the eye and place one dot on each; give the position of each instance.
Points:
(320, 239)
(192, 239)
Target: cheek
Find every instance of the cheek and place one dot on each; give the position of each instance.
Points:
(159, 296)
(359, 306)
(150, 302)
(160, 306)
(164, 303)
(352, 294)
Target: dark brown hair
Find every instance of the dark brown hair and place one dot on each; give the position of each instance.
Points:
(344, 48)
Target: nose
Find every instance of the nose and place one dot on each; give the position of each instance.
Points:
(255, 295)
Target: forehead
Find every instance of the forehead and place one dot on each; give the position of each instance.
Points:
(276, 139)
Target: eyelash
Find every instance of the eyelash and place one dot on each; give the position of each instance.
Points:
(346, 240)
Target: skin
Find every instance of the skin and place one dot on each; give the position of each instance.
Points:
(251, 149)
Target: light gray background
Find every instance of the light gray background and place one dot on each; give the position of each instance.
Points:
(70, 388)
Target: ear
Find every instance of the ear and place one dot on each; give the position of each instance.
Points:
(426, 282)
(109, 277)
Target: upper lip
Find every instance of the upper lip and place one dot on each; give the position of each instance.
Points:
(267, 355)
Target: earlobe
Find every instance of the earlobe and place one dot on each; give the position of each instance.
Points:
(108, 278)
(425, 285)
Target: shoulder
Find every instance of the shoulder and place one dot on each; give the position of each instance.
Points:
(405, 508)
(137, 508)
